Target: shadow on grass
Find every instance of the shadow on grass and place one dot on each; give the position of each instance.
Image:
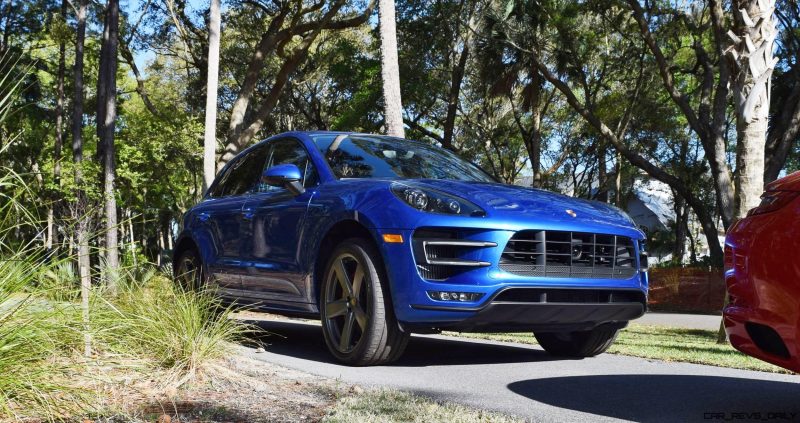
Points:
(669, 398)
(302, 340)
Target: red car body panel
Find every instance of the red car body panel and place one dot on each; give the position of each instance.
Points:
(762, 258)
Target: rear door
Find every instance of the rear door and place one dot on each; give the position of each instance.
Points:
(224, 219)
(276, 221)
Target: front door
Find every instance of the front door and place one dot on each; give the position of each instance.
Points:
(276, 223)
(223, 216)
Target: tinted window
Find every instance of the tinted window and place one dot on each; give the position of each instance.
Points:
(290, 151)
(217, 189)
(364, 156)
(243, 175)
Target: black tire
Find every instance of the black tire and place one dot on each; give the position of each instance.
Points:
(188, 271)
(578, 344)
(358, 320)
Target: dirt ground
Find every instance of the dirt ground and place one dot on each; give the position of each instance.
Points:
(237, 389)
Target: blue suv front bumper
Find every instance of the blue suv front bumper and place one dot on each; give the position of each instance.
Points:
(499, 300)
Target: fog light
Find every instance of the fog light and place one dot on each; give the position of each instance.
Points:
(454, 296)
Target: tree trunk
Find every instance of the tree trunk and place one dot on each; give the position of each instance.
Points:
(535, 143)
(618, 180)
(390, 70)
(210, 137)
(755, 32)
(133, 248)
(80, 209)
(106, 123)
(602, 172)
(52, 233)
(453, 96)
(681, 215)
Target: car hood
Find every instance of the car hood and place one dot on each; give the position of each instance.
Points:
(514, 202)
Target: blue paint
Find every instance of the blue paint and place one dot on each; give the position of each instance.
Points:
(263, 244)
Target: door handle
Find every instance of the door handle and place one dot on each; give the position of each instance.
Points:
(248, 213)
(203, 216)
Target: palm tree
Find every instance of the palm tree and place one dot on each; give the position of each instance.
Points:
(752, 52)
(210, 138)
(390, 70)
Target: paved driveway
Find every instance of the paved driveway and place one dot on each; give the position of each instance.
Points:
(524, 381)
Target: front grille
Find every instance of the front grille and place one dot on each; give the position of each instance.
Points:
(562, 254)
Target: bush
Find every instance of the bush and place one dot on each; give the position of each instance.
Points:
(33, 335)
(176, 329)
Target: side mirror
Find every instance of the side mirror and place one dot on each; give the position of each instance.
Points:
(285, 176)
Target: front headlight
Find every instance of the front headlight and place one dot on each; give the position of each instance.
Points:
(431, 200)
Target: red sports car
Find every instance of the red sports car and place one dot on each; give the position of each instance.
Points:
(762, 271)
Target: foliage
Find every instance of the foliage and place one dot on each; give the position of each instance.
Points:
(179, 330)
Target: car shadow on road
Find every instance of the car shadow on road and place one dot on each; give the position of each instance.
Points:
(303, 340)
(668, 397)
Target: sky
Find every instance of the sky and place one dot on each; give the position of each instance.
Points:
(133, 9)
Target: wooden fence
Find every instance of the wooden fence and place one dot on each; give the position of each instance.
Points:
(690, 289)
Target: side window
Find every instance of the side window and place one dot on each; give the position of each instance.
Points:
(218, 188)
(245, 173)
(290, 151)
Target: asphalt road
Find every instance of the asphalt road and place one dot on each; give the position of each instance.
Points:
(523, 380)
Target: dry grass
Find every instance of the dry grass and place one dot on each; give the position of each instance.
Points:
(395, 406)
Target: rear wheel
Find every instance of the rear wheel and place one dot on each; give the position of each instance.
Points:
(578, 344)
(189, 270)
(358, 321)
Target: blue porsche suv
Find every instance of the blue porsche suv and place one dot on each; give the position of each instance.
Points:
(379, 237)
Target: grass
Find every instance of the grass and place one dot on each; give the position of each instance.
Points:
(395, 406)
(34, 335)
(175, 329)
(665, 344)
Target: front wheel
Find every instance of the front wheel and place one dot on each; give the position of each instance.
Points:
(358, 321)
(578, 344)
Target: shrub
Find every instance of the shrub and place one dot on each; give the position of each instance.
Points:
(176, 329)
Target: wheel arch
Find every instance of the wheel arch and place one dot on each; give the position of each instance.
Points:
(338, 232)
(184, 243)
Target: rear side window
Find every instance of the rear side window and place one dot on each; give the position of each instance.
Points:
(243, 175)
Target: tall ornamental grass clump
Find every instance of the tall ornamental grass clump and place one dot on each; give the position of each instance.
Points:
(35, 336)
(179, 330)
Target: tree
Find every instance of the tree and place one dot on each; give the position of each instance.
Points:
(210, 137)
(583, 81)
(59, 138)
(753, 62)
(106, 123)
(80, 212)
(390, 70)
(289, 20)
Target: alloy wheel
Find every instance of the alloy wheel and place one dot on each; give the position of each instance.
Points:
(346, 305)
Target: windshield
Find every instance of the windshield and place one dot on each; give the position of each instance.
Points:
(369, 156)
